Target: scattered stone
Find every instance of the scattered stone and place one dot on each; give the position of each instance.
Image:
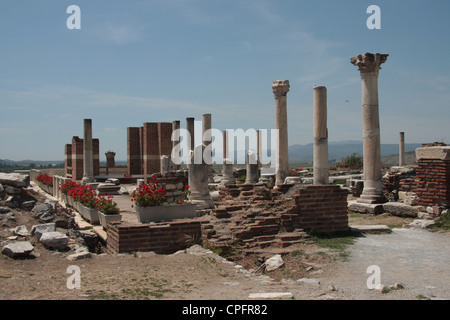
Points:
(14, 179)
(54, 239)
(397, 286)
(22, 231)
(20, 249)
(382, 288)
(309, 281)
(4, 210)
(274, 263)
(271, 295)
(365, 208)
(12, 190)
(78, 256)
(12, 238)
(332, 288)
(38, 230)
(287, 281)
(232, 283)
(28, 205)
(40, 209)
(46, 217)
(400, 209)
(419, 224)
(424, 215)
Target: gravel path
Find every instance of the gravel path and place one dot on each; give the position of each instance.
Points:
(417, 258)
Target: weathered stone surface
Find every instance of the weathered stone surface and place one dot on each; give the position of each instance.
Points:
(309, 281)
(13, 190)
(365, 208)
(108, 188)
(271, 295)
(18, 249)
(40, 209)
(441, 153)
(4, 210)
(39, 229)
(78, 256)
(22, 231)
(400, 209)
(14, 180)
(419, 224)
(54, 239)
(274, 263)
(28, 205)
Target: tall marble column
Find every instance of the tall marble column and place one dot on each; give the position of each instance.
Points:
(401, 151)
(88, 153)
(190, 127)
(280, 90)
(369, 65)
(321, 165)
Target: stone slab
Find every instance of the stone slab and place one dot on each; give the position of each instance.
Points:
(366, 208)
(370, 228)
(14, 179)
(440, 153)
(271, 295)
(401, 209)
(18, 249)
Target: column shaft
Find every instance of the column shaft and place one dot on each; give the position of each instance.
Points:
(321, 165)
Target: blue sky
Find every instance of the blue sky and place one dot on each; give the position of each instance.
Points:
(163, 60)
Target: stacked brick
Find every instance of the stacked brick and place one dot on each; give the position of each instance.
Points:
(73, 155)
(433, 182)
(394, 182)
(319, 208)
(158, 237)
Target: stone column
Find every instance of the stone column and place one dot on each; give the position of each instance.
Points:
(369, 65)
(401, 151)
(258, 148)
(190, 127)
(252, 175)
(175, 144)
(198, 179)
(227, 168)
(88, 154)
(206, 132)
(321, 165)
(110, 161)
(280, 90)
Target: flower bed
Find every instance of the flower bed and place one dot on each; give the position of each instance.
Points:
(45, 182)
(151, 204)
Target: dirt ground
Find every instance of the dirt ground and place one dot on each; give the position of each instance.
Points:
(199, 274)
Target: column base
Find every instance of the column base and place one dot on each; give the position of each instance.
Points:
(371, 198)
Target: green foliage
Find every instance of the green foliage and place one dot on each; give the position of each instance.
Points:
(352, 161)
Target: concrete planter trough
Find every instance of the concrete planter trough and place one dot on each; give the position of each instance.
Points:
(89, 214)
(166, 212)
(104, 219)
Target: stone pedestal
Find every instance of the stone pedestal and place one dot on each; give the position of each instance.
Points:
(280, 90)
(198, 179)
(321, 165)
(369, 65)
(88, 154)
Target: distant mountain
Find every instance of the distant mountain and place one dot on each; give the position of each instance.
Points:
(342, 149)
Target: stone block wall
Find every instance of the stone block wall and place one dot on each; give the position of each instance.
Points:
(160, 238)
(320, 208)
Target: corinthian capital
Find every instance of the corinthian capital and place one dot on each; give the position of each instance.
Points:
(280, 87)
(369, 63)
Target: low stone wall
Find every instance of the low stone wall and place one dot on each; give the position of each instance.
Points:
(123, 237)
(319, 208)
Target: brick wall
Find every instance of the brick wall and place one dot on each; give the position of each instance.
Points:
(319, 208)
(433, 182)
(134, 151)
(169, 237)
(77, 158)
(68, 160)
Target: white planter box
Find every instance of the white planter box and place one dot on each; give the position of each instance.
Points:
(107, 218)
(166, 212)
(89, 214)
